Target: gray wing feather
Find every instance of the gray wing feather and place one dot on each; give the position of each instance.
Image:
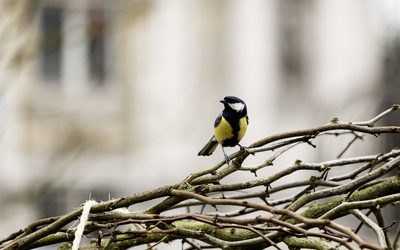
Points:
(218, 120)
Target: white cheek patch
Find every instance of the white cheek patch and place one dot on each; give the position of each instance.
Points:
(236, 106)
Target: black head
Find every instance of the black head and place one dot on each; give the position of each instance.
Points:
(234, 103)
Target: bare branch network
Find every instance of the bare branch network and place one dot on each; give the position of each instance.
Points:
(248, 224)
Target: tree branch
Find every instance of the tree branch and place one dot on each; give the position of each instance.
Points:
(229, 230)
(367, 221)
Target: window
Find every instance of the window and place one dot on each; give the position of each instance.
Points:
(296, 33)
(51, 23)
(96, 34)
(71, 37)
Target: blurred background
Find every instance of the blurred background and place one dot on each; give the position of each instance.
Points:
(104, 99)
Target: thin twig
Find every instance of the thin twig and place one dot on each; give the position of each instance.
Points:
(346, 206)
(352, 185)
(372, 122)
(354, 236)
(381, 223)
(349, 144)
(367, 221)
(358, 228)
(397, 237)
(323, 128)
(157, 243)
(193, 245)
(247, 204)
(263, 194)
(298, 229)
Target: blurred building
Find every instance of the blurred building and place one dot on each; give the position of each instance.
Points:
(110, 98)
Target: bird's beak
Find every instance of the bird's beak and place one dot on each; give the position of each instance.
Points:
(223, 101)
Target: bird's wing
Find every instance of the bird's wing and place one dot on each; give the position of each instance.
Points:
(218, 120)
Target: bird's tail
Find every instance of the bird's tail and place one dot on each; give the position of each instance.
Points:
(210, 147)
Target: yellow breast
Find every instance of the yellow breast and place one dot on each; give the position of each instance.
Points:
(243, 127)
(223, 131)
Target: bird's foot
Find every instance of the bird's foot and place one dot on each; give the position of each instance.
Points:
(245, 149)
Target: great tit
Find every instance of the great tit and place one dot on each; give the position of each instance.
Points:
(230, 126)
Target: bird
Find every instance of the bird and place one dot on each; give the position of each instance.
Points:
(230, 127)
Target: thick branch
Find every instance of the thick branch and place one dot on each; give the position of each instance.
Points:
(310, 243)
(353, 185)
